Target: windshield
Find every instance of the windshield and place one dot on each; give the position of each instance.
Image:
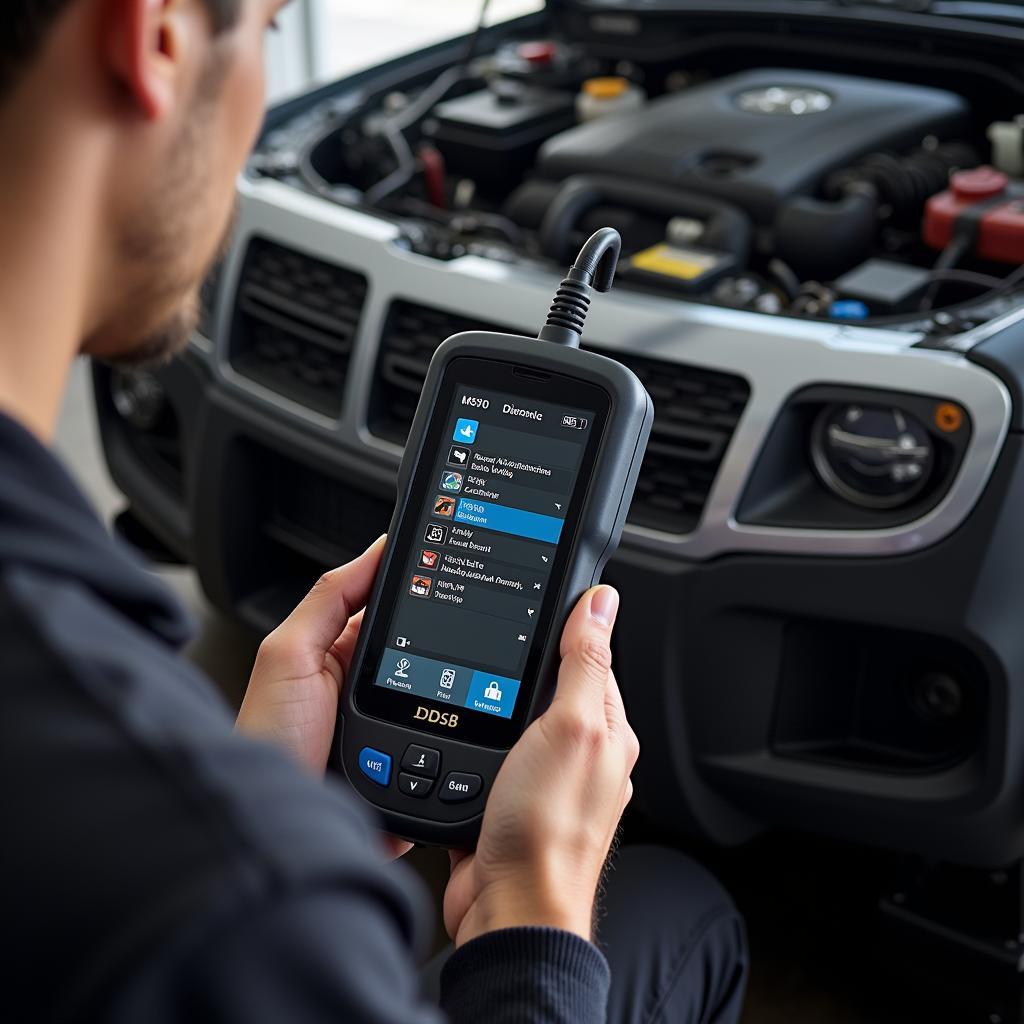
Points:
(359, 35)
(1002, 10)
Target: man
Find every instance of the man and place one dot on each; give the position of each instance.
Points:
(158, 865)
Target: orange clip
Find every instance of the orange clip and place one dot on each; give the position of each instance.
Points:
(948, 417)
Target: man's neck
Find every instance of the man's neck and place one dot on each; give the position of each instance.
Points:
(45, 270)
(37, 345)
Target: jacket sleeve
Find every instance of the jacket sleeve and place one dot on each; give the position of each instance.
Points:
(334, 957)
(526, 976)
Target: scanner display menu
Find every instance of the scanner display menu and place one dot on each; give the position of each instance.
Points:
(485, 546)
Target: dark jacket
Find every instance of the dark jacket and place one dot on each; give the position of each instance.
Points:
(154, 866)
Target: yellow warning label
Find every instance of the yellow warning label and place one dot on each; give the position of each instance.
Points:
(672, 261)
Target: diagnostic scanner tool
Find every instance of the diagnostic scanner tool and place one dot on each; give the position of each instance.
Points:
(512, 493)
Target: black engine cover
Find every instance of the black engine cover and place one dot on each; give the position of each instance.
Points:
(756, 138)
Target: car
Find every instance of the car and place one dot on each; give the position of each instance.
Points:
(821, 210)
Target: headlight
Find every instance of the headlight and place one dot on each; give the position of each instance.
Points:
(871, 455)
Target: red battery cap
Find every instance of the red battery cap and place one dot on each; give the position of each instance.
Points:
(538, 52)
(978, 183)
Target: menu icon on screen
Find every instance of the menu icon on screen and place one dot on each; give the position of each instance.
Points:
(465, 431)
(444, 506)
(458, 456)
(451, 480)
(436, 534)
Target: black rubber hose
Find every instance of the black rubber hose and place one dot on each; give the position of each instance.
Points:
(594, 267)
(904, 183)
(726, 227)
(599, 257)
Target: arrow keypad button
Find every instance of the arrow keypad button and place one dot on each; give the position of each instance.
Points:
(414, 785)
(422, 761)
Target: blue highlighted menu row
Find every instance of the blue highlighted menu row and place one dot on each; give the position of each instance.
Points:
(508, 520)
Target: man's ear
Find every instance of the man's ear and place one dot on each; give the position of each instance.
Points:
(146, 43)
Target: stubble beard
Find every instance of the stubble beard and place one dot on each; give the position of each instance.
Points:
(162, 286)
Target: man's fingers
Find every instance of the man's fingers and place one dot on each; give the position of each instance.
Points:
(613, 701)
(322, 615)
(395, 847)
(340, 655)
(345, 646)
(586, 655)
(627, 796)
(456, 857)
(594, 612)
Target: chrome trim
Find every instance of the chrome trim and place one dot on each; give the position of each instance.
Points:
(778, 357)
(970, 339)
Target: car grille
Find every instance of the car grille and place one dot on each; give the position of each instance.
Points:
(320, 516)
(160, 451)
(411, 334)
(695, 415)
(208, 300)
(295, 323)
(696, 412)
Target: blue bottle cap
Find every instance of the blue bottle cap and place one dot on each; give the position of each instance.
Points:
(848, 309)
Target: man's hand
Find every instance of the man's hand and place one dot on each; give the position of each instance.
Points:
(556, 803)
(292, 697)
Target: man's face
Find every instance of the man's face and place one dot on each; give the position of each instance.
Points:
(176, 213)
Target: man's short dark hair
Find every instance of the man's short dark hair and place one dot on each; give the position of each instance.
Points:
(24, 25)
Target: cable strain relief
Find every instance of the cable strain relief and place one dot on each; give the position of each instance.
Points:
(568, 312)
(559, 335)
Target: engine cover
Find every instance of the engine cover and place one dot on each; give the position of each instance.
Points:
(757, 138)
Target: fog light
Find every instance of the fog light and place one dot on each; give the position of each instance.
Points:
(872, 456)
(138, 397)
(937, 695)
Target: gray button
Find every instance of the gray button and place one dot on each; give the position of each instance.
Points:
(460, 786)
(422, 761)
(413, 785)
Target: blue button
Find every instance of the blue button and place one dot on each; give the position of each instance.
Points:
(494, 695)
(375, 765)
(465, 431)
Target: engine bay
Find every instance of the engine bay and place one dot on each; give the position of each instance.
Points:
(783, 190)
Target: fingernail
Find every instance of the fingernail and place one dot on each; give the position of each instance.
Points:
(604, 604)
